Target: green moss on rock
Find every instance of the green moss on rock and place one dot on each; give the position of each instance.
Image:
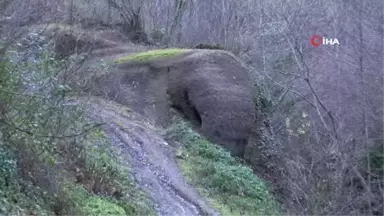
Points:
(152, 54)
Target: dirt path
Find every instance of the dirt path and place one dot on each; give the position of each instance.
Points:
(150, 158)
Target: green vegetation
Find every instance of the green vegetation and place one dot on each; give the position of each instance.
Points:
(53, 159)
(231, 186)
(152, 54)
(101, 206)
(376, 159)
(12, 200)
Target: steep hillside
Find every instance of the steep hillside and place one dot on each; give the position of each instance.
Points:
(138, 99)
(255, 97)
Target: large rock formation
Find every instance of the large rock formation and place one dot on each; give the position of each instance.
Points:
(211, 87)
(213, 90)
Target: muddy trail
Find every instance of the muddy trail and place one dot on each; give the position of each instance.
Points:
(150, 158)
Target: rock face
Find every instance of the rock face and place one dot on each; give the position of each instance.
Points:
(210, 87)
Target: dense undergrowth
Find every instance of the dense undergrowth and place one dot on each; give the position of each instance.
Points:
(53, 159)
(230, 185)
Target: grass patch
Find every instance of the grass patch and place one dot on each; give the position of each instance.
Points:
(104, 173)
(230, 186)
(89, 204)
(101, 206)
(152, 54)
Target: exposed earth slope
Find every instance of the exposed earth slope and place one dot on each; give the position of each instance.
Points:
(150, 158)
(137, 90)
(211, 87)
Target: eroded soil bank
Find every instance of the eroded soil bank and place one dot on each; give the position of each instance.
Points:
(150, 158)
